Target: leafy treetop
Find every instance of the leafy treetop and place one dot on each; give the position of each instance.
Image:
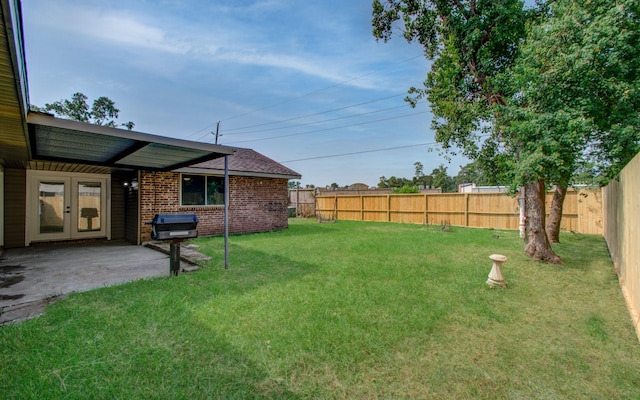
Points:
(103, 111)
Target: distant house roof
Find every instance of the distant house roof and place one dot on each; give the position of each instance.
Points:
(244, 162)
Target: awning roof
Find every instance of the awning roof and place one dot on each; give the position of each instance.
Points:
(56, 139)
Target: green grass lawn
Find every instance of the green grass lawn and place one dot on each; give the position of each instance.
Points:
(342, 310)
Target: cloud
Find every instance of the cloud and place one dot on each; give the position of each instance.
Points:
(128, 31)
(228, 40)
(119, 28)
(319, 68)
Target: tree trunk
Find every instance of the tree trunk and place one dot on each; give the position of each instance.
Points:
(555, 214)
(538, 246)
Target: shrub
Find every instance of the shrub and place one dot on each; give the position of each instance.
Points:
(406, 189)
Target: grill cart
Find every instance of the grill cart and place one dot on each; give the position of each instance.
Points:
(174, 228)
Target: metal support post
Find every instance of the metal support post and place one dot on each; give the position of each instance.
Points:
(174, 265)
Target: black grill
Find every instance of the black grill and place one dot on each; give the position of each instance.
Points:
(174, 226)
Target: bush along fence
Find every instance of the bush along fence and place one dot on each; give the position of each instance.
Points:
(582, 211)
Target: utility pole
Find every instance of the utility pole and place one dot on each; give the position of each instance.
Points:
(217, 131)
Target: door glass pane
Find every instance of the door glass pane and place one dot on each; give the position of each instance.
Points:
(51, 208)
(89, 202)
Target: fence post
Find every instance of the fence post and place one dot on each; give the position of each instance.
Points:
(426, 209)
(484, 213)
(466, 209)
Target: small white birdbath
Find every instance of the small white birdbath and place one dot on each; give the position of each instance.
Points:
(495, 276)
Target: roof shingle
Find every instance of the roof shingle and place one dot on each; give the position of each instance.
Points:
(249, 161)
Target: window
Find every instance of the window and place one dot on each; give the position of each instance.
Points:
(202, 190)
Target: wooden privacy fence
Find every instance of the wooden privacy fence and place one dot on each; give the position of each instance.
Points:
(582, 211)
(622, 233)
(303, 201)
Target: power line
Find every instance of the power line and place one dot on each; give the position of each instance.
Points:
(301, 96)
(322, 121)
(317, 91)
(329, 129)
(359, 152)
(317, 113)
(366, 151)
(304, 116)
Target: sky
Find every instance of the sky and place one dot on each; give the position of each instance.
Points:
(304, 83)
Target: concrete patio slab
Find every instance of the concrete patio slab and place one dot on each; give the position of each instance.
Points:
(32, 277)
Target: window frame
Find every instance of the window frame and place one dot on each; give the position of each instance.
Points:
(206, 195)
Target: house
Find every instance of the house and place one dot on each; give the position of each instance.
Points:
(473, 188)
(63, 180)
(257, 187)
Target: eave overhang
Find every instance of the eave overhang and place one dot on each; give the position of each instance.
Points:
(62, 140)
(14, 151)
(211, 171)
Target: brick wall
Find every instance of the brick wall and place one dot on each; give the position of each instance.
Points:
(256, 204)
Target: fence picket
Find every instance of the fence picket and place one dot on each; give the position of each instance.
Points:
(582, 210)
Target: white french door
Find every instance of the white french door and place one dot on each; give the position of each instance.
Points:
(63, 206)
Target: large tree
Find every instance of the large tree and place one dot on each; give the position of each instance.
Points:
(576, 93)
(419, 178)
(472, 44)
(440, 179)
(103, 110)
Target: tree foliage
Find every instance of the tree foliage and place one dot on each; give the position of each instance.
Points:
(438, 178)
(575, 92)
(406, 189)
(530, 94)
(393, 182)
(419, 178)
(474, 172)
(473, 44)
(103, 110)
(574, 97)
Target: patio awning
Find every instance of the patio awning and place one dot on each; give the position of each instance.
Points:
(62, 140)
